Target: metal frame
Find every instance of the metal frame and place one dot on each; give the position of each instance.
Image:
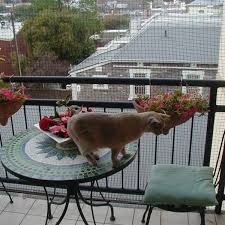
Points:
(213, 85)
(219, 181)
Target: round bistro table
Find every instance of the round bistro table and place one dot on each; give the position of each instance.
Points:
(36, 158)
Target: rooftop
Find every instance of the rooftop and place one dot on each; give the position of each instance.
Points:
(170, 38)
(206, 2)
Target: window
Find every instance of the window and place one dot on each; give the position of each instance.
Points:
(192, 75)
(100, 86)
(98, 69)
(136, 90)
(139, 89)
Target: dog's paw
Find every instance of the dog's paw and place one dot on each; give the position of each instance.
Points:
(127, 155)
(116, 164)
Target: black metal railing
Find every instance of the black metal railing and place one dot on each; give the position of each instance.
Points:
(173, 148)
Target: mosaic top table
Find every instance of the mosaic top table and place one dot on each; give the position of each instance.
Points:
(35, 157)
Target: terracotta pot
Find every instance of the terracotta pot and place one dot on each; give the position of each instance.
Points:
(138, 107)
(170, 123)
(7, 109)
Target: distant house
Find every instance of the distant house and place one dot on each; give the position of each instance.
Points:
(168, 46)
(206, 6)
(8, 47)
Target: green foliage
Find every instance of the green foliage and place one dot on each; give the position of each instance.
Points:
(3, 84)
(39, 5)
(3, 9)
(88, 5)
(63, 32)
(22, 12)
(23, 62)
(116, 22)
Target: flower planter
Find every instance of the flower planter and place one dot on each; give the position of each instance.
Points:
(7, 109)
(173, 121)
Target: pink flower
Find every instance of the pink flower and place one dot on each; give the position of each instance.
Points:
(80, 110)
(22, 88)
(89, 109)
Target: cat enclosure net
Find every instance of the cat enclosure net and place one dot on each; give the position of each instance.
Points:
(180, 40)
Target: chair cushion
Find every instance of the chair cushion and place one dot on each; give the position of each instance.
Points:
(180, 185)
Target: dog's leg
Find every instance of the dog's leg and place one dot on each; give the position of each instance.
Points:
(123, 152)
(90, 157)
(115, 161)
(96, 156)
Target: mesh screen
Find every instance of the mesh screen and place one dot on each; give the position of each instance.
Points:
(170, 39)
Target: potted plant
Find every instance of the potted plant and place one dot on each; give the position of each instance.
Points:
(181, 107)
(10, 101)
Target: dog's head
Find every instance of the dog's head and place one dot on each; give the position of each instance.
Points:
(156, 123)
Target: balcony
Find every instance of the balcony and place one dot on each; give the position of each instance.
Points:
(194, 143)
(34, 211)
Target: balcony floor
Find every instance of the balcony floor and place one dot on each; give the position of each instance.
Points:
(29, 211)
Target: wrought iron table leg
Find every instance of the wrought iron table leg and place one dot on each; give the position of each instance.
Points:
(112, 217)
(107, 203)
(49, 214)
(50, 202)
(67, 200)
(92, 210)
(78, 205)
(11, 201)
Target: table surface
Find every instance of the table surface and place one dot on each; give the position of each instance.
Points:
(33, 156)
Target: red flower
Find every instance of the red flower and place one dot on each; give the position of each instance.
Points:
(80, 110)
(69, 112)
(46, 122)
(89, 109)
(65, 119)
(58, 125)
(60, 130)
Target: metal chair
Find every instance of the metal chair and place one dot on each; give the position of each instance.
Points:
(179, 200)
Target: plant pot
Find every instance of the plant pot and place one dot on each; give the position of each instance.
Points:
(174, 121)
(7, 109)
(171, 122)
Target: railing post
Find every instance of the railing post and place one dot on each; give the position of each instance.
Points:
(221, 183)
(210, 125)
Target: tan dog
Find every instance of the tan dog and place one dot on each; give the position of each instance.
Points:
(91, 131)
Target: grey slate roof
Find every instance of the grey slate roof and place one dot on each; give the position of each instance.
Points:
(168, 39)
(206, 2)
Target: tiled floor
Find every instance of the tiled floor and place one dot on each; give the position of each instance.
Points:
(27, 211)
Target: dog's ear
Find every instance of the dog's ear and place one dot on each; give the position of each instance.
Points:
(155, 124)
(165, 116)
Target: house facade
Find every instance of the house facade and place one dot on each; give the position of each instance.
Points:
(8, 46)
(168, 46)
(206, 6)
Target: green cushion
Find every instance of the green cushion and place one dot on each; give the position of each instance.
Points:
(180, 185)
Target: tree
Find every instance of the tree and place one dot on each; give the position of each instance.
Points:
(116, 22)
(39, 5)
(47, 64)
(64, 32)
(21, 12)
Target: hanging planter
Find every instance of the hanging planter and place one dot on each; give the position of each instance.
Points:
(180, 107)
(7, 109)
(10, 101)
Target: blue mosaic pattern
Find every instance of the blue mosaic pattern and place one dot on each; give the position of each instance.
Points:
(34, 155)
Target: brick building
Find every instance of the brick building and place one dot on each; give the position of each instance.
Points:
(8, 47)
